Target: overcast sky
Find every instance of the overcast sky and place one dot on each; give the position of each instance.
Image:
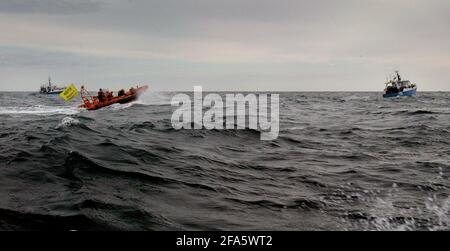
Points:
(225, 44)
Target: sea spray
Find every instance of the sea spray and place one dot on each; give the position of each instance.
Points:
(67, 122)
(38, 110)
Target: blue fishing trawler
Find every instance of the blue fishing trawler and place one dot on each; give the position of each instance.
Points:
(397, 87)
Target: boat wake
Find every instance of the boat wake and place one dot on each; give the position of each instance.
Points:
(118, 107)
(39, 110)
(154, 98)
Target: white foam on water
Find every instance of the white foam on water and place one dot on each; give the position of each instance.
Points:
(296, 128)
(442, 210)
(67, 121)
(39, 110)
(118, 107)
(384, 211)
(383, 214)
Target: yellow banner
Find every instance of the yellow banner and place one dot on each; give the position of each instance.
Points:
(69, 93)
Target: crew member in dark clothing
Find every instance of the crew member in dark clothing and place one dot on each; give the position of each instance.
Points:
(101, 95)
(110, 95)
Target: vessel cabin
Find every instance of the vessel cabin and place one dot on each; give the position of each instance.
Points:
(397, 86)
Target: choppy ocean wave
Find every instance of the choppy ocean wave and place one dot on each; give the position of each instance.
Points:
(342, 162)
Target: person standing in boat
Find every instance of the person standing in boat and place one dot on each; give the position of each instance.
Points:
(110, 96)
(101, 95)
(83, 91)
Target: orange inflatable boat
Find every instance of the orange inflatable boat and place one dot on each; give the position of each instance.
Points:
(93, 102)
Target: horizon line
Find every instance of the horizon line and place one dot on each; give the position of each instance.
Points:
(279, 91)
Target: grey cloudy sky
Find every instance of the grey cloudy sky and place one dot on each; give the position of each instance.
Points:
(280, 45)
